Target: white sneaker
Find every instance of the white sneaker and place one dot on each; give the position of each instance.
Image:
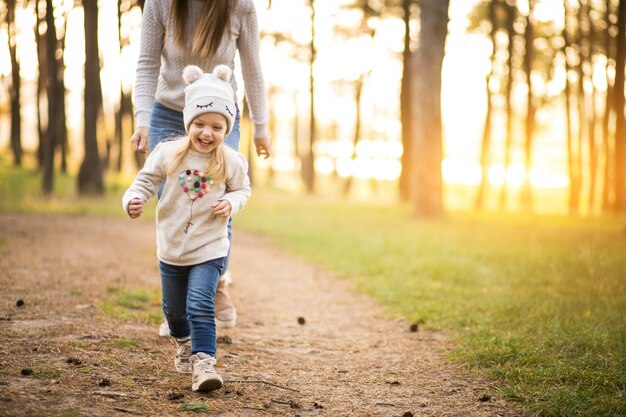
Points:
(164, 329)
(183, 352)
(204, 376)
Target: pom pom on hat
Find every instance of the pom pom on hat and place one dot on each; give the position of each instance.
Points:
(223, 71)
(209, 93)
(192, 72)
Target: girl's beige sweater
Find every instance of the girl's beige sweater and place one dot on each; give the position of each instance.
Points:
(188, 233)
(161, 62)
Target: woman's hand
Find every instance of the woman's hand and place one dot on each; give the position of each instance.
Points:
(263, 147)
(139, 140)
(135, 208)
(221, 208)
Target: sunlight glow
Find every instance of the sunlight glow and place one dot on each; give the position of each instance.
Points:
(25, 41)
(539, 177)
(344, 167)
(284, 163)
(549, 11)
(544, 178)
(461, 171)
(5, 64)
(324, 165)
(342, 60)
(513, 175)
(376, 159)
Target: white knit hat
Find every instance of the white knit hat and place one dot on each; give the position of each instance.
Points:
(208, 93)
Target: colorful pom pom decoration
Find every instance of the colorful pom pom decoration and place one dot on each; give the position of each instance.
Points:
(194, 183)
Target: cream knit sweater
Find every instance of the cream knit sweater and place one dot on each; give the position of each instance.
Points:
(161, 62)
(188, 233)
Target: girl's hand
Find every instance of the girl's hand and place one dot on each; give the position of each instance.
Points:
(221, 208)
(135, 208)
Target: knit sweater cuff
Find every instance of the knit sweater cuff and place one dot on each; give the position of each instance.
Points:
(142, 118)
(260, 130)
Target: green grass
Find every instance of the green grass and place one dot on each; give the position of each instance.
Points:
(49, 373)
(126, 343)
(536, 302)
(137, 304)
(195, 407)
(20, 189)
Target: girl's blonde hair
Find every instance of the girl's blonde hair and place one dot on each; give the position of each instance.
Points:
(208, 33)
(215, 165)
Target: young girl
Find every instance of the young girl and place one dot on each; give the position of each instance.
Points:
(176, 33)
(205, 183)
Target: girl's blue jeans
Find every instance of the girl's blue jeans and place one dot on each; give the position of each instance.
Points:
(189, 302)
(166, 123)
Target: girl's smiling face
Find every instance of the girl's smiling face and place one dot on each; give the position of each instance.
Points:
(207, 132)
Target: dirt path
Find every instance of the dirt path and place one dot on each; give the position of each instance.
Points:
(344, 361)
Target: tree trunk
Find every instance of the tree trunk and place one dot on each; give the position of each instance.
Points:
(140, 157)
(119, 113)
(618, 102)
(529, 56)
(593, 146)
(607, 183)
(42, 82)
(250, 149)
(125, 109)
(406, 101)
(271, 127)
(510, 27)
(119, 130)
(308, 159)
(358, 88)
(607, 201)
(90, 175)
(60, 103)
(16, 125)
(52, 131)
(296, 128)
(485, 149)
(573, 166)
(583, 117)
(428, 153)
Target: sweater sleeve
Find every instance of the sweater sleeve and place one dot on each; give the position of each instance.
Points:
(148, 179)
(149, 62)
(238, 189)
(248, 46)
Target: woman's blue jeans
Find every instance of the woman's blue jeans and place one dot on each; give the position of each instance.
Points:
(189, 302)
(166, 123)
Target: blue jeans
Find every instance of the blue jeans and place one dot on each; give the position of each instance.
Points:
(166, 123)
(189, 302)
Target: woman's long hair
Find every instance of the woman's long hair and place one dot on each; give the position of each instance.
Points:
(215, 165)
(211, 26)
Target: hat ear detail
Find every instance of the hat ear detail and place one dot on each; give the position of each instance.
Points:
(223, 71)
(191, 73)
